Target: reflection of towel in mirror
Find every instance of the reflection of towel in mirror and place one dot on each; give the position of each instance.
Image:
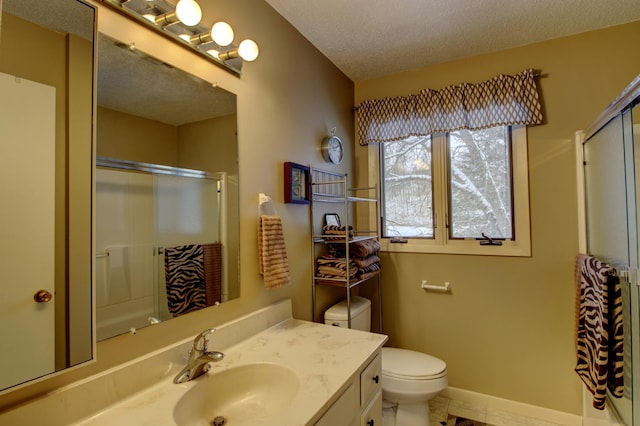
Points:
(184, 272)
(212, 258)
(600, 336)
(272, 252)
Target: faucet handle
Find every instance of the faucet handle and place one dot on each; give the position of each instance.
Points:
(201, 341)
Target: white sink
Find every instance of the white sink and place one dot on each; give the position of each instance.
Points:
(244, 395)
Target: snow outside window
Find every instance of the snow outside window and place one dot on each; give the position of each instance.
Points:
(448, 193)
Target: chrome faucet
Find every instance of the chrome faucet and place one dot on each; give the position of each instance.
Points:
(199, 358)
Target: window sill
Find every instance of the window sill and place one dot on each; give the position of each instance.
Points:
(474, 248)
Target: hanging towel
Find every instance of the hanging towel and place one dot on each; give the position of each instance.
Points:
(212, 255)
(184, 272)
(600, 333)
(272, 252)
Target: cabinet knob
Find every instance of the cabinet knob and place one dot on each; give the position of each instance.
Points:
(42, 296)
(370, 422)
(376, 378)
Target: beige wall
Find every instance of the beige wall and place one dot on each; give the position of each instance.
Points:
(507, 329)
(211, 145)
(133, 138)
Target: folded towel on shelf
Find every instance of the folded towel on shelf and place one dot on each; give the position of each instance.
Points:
(333, 272)
(600, 329)
(360, 249)
(272, 252)
(363, 263)
(369, 271)
(184, 279)
(339, 231)
(335, 267)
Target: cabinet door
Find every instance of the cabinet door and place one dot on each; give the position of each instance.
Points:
(371, 380)
(372, 415)
(343, 411)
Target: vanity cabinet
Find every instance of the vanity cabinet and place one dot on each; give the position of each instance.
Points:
(371, 393)
(341, 246)
(361, 402)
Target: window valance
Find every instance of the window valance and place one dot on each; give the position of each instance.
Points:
(501, 101)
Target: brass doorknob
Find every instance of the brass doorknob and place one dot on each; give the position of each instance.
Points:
(42, 296)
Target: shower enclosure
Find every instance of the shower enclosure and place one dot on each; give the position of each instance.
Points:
(608, 170)
(143, 210)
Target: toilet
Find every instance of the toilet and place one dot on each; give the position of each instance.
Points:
(409, 378)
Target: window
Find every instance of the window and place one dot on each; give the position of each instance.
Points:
(460, 192)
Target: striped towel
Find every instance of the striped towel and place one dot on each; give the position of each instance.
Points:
(359, 249)
(339, 231)
(184, 274)
(272, 252)
(600, 337)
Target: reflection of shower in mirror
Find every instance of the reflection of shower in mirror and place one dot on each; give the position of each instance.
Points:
(159, 244)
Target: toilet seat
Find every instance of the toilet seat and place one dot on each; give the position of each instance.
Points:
(411, 365)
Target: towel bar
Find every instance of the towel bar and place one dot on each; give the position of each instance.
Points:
(445, 288)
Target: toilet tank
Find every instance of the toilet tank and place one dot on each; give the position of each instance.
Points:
(360, 314)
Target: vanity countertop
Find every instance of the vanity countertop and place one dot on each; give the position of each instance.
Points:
(324, 358)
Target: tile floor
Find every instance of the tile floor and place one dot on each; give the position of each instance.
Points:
(446, 412)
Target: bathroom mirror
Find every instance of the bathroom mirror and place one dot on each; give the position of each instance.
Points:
(167, 225)
(46, 99)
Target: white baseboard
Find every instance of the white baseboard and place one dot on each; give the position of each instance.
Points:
(520, 408)
(593, 417)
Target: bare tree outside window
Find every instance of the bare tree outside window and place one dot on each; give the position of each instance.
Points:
(408, 188)
(480, 184)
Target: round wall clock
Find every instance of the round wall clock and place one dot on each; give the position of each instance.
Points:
(332, 149)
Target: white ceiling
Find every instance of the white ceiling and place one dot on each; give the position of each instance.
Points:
(371, 38)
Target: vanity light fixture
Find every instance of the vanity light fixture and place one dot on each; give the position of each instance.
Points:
(247, 50)
(221, 34)
(181, 22)
(187, 11)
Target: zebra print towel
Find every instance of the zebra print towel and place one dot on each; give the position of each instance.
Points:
(184, 276)
(340, 231)
(600, 334)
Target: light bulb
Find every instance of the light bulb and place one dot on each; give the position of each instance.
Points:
(248, 50)
(189, 12)
(222, 33)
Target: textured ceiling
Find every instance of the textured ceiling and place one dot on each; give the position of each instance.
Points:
(371, 38)
(134, 83)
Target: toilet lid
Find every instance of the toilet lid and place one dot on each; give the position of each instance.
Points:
(406, 364)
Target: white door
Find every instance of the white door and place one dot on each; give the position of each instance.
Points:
(27, 143)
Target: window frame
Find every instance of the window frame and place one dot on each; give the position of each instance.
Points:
(441, 243)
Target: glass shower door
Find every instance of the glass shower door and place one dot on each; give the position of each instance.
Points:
(612, 224)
